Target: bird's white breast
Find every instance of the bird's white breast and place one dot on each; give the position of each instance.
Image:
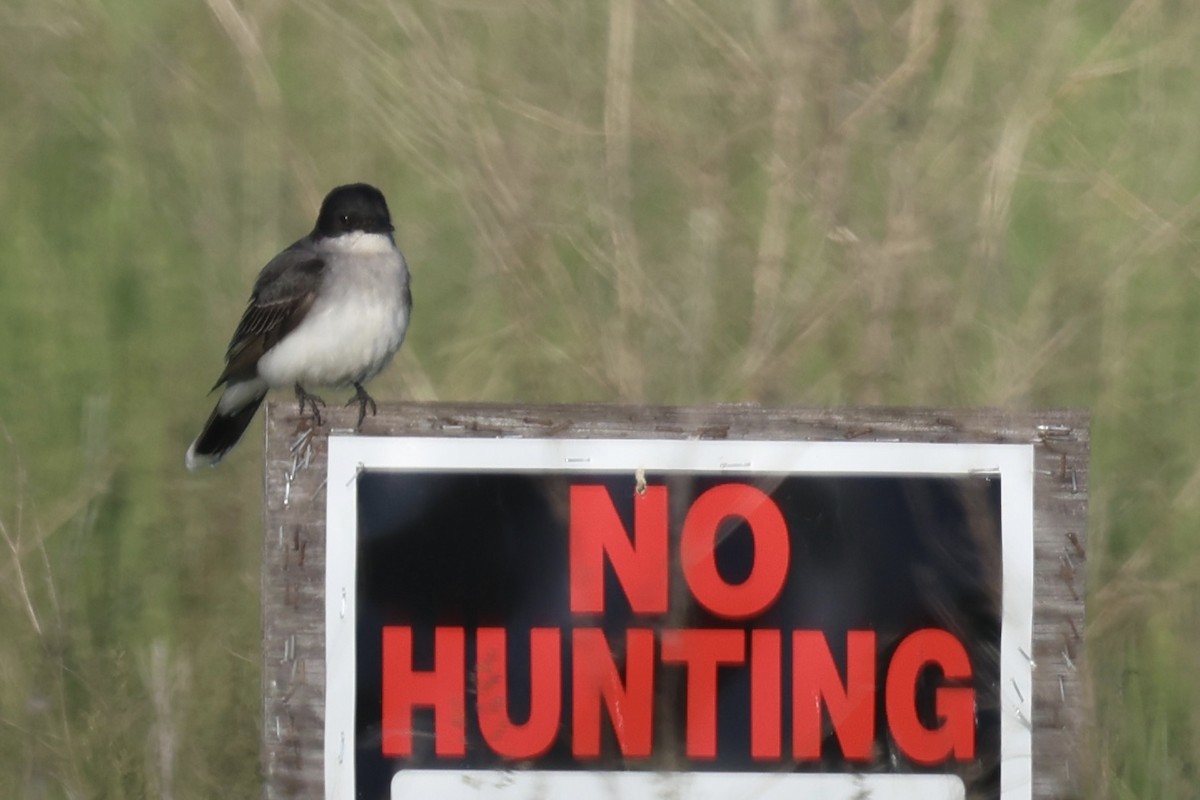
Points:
(356, 324)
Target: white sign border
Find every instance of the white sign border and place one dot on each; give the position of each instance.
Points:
(1014, 463)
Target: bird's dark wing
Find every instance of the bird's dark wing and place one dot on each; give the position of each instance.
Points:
(282, 296)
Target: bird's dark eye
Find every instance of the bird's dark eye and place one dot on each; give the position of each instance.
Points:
(344, 219)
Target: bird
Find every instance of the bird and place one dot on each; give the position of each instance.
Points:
(330, 310)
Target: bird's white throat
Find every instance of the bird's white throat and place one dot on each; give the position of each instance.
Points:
(360, 243)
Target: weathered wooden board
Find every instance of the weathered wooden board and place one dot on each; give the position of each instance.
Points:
(293, 568)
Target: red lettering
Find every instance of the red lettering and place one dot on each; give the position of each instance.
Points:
(851, 707)
(630, 703)
(766, 687)
(819, 692)
(442, 689)
(698, 550)
(620, 677)
(536, 735)
(955, 706)
(640, 563)
(701, 652)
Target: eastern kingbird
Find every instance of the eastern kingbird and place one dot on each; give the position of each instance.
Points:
(331, 310)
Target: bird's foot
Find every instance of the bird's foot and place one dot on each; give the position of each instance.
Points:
(363, 399)
(311, 400)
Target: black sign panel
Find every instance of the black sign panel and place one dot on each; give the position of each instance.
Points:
(668, 621)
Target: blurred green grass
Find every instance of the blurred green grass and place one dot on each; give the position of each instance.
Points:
(794, 202)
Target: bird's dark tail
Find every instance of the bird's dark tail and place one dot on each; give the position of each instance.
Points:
(222, 431)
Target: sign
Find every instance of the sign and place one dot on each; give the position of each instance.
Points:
(554, 618)
(595, 601)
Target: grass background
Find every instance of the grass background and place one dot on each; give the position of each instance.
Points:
(934, 202)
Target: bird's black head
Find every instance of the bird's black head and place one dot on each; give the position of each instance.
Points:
(354, 208)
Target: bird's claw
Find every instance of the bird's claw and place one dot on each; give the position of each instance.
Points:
(363, 399)
(311, 400)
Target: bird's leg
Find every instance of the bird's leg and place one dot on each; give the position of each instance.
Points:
(311, 400)
(363, 399)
